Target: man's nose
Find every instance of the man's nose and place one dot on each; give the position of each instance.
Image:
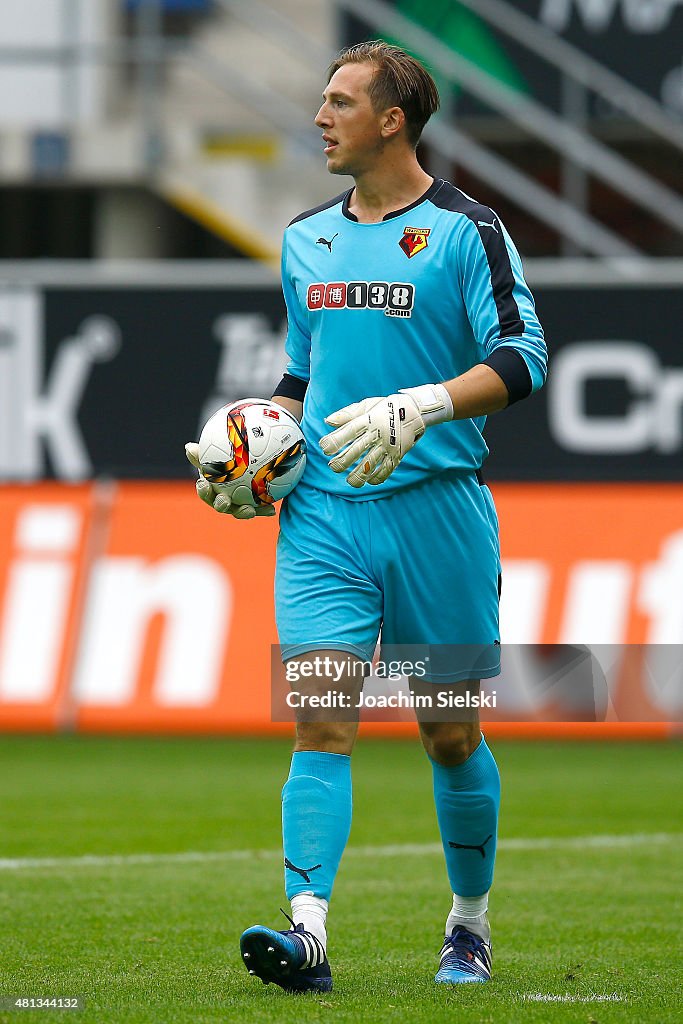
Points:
(322, 117)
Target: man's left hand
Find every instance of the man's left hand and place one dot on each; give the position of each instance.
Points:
(380, 431)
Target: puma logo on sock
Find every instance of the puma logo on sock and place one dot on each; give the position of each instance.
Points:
(304, 872)
(466, 846)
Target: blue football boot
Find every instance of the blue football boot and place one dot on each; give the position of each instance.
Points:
(295, 959)
(464, 957)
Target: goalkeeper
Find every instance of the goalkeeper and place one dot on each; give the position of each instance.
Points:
(409, 321)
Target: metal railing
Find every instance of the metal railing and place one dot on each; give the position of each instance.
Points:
(581, 154)
(578, 151)
(574, 64)
(570, 141)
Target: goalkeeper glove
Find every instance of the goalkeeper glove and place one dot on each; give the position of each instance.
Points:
(380, 431)
(221, 502)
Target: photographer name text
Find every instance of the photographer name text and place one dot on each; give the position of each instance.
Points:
(339, 699)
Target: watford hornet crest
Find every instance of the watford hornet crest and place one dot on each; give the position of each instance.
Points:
(414, 240)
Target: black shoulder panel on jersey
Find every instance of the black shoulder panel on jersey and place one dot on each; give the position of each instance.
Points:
(338, 200)
(510, 365)
(487, 224)
(291, 387)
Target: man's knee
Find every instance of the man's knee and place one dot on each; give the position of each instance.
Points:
(450, 743)
(330, 737)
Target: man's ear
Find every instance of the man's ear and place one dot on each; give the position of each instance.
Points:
(393, 121)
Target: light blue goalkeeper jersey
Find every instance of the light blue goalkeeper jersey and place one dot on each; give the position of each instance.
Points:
(419, 298)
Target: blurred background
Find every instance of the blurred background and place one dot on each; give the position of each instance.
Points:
(151, 154)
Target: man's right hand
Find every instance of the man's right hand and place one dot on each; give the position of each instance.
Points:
(221, 502)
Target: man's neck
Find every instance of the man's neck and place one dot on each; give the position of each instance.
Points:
(386, 189)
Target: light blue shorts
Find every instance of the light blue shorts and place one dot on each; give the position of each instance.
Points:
(422, 566)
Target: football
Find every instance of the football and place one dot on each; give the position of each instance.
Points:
(252, 450)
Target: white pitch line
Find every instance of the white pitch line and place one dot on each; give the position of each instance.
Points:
(395, 850)
(592, 842)
(541, 997)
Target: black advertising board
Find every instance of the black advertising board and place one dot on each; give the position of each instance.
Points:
(612, 408)
(186, 353)
(640, 40)
(112, 380)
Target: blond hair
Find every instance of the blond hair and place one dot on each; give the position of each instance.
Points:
(399, 81)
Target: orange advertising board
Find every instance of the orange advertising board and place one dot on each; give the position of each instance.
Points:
(131, 606)
(44, 560)
(597, 563)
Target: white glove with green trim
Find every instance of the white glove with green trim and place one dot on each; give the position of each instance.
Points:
(380, 431)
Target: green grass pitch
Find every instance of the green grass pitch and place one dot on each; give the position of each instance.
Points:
(585, 910)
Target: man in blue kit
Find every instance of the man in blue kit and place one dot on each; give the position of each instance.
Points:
(409, 321)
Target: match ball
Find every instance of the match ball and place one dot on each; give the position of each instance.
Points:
(253, 451)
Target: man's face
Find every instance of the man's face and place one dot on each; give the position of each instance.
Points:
(352, 130)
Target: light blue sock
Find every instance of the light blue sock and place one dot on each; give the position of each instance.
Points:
(467, 798)
(316, 820)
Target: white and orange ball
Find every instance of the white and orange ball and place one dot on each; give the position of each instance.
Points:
(253, 451)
